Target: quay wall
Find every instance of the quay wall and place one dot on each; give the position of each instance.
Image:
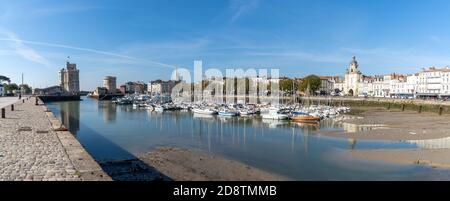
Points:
(59, 98)
(437, 106)
(35, 146)
(440, 107)
(86, 166)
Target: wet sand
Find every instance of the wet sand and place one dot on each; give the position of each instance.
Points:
(374, 123)
(189, 165)
(439, 158)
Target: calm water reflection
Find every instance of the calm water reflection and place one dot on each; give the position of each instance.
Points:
(111, 132)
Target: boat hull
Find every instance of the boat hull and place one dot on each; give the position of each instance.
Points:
(308, 119)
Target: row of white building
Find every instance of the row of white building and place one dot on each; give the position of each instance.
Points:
(430, 82)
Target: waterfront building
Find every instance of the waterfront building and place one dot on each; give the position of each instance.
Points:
(390, 85)
(433, 82)
(49, 91)
(412, 84)
(160, 87)
(381, 86)
(339, 86)
(135, 87)
(70, 79)
(366, 86)
(327, 84)
(100, 91)
(123, 89)
(109, 82)
(398, 86)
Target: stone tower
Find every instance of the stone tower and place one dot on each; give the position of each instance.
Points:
(70, 79)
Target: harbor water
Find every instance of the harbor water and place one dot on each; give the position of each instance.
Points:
(112, 132)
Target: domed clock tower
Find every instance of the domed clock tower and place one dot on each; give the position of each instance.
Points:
(352, 78)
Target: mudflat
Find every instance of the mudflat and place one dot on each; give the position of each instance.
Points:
(438, 158)
(374, 123)
(191, 165)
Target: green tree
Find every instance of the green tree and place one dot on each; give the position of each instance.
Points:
(289, 84)
(4, 79)
(310, 84)
(9, 88)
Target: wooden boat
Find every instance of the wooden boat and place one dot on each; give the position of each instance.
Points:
(305, 118)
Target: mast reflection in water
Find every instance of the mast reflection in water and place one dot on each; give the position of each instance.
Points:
(112, 132)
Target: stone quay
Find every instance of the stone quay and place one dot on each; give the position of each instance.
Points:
(35, 146)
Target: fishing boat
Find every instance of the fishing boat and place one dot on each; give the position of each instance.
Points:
(204, 111)
(305, 118)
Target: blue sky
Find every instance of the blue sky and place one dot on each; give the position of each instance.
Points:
(141, 40)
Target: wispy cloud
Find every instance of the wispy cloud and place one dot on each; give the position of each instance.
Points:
(241, 7)
(62, 9)
(23, 50)
(30, 54)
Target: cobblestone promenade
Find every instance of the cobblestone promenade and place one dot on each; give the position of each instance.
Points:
(31, 149)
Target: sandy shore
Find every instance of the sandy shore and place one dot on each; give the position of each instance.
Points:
(380, 124)
(439, 158)
(189, 165)
(371, 123)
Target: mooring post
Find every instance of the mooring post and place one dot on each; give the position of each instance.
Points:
(23, 100)
(36, 101)
(3, 113)
(420, 109)
(440, 110)
(403, 107)
(12, 107)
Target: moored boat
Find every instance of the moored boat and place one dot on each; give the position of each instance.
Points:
(273, 114)
(305, 118)
(159, 109)
(204, 111)
(228, 113)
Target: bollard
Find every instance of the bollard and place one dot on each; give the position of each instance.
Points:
(440, 110)
(420, 109)
(12, 107)
(23, 100)
(403, 107)
(3, 113)
(36, 101)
